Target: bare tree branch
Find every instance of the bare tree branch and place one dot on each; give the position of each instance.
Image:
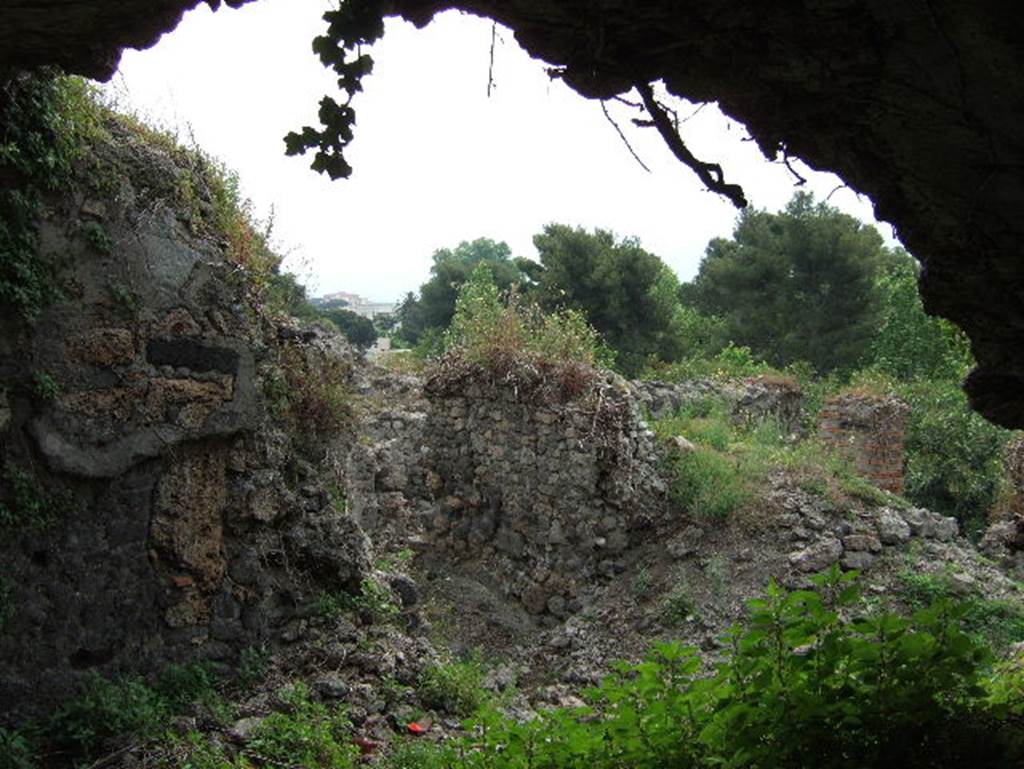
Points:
(622, 136)
(800, 180)
(490, 67)
(709, 173)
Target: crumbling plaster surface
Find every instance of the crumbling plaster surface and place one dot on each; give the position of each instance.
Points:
(917, 104)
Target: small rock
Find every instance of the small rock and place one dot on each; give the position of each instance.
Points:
(892, 529)
(818, 556)
(683, 445)
(857, 559)
(331, 686)
(405, 586)
(243, 729)
(864, 542)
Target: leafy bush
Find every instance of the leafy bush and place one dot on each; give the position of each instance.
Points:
(106, 711)
(15, 750)
(678, 605)
(374, 602)
(810, 680)
(731, 362)
(1000, 622)
(46, 120)
(252, 665)
(454, 687)
(954, 456)
(707, 483)
(310, 735)
(486, 330)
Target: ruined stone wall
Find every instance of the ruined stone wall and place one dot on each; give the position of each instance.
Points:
(156, 505)
(750, 400)
(869, 430)
(537, 490)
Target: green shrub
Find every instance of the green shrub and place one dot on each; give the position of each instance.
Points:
(954, 456)
(98, 238)
(678, 605)
(707, 483)
(310, 735)
(999, 621)
(15, 750)
(643, 584)
(45, 386)
(811, 679)
(731, 362)
(106, 711)
(46, 122)
(375, 602)
(253, 664)
(489, 331)
(454, 687)
(418, 755)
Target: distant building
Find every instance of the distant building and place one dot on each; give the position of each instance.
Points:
(355, 303)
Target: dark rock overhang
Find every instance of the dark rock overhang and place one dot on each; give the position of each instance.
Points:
(916, 104)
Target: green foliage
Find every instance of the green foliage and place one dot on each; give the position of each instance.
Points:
(15, 750)
(309, 390)
(454, 687)
(431, 314)
(642, 586)
(626, 293)
(731, 362)
(418, 755)
(358, 330)
(810, 680)
(487, 331)
(910, 344)
(285, 295)
(253, 663)
(678, 605)
(127, 301)
(707, 483)
(310, 735)
(350, 27)
(374, 602)
(23, 503)
(46, 120)
(797, 285)
(999, 621)
(954, 456)
(98, 238)
(195, 683)
(45, 386)
(106, 711)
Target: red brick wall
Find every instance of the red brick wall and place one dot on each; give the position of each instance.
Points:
(870, 430)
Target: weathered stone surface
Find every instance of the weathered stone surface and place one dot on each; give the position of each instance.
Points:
(892, 529)
(862, 542)
(190, 518)
(818, 556)
(103, 347)
(187, 535)
(859, 560)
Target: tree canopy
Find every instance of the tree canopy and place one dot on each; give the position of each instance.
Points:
(628, 294)
(796, 285)
(451, 268)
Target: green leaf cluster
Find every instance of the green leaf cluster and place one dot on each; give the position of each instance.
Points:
(811, 679)
(45, 122)
(455, 687)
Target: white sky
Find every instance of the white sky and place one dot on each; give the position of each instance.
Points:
(436, 161)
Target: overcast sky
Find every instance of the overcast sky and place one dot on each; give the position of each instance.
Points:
(436, 161)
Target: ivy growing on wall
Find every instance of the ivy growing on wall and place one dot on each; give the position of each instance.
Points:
(44, 121)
